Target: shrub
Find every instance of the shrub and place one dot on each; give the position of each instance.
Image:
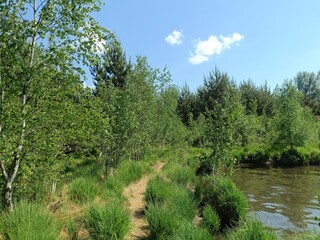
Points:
(162, 221)
(315, 157)
(228, 201)
(205, 166)
(29, 221)
(111, 221)
(82, 190)
(252, 230)
(187, 231)
(158, 190)
(211, 219)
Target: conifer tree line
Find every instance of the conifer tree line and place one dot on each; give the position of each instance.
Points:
(50, 122)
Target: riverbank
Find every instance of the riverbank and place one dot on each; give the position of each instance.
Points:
(300, 156)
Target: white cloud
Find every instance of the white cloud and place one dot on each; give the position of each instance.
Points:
(175, 38)
(213, 46)
(197, 59)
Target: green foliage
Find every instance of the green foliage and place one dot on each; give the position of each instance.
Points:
(187, 231)
(111, 221)
(294, 125)
(308, 83)
(229, 202)
(113, 68)
(211, 219)
(82, 190)
(256, 100)
(29, 221)
(169, 129)
(251, 154)
(223, 113)
(252, 230)
(162, 222)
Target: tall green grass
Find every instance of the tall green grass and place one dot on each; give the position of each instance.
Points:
(82, 190)
(29, 221)
(228, 201)
(187, 231)
(182, 203)
(180, 174)
(162, 222)
(111, 221)
(130, 171)
(252, 230)
(112, 188)
(158, 190)
(211, 220)
(168, 204)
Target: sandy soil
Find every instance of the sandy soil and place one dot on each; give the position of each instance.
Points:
(135, 194)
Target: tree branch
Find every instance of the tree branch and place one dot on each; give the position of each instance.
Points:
(3, 170)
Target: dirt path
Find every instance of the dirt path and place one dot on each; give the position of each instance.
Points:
(135, 194)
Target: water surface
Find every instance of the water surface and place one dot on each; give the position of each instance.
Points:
(283, 198)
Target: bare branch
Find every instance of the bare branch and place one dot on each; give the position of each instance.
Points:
(45, 3)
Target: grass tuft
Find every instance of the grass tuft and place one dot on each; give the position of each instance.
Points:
(187, 231)
(29, 221)
(82, 190)
(251, 230)
(211, 219)
(111, 221)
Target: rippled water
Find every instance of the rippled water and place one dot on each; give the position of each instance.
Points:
(283, 198)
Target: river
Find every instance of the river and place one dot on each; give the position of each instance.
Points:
(283, 198)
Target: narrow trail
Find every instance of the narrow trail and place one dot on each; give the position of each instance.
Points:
(135, 195)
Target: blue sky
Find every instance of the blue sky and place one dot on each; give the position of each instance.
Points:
(261, 40)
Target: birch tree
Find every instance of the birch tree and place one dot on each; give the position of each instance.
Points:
(35, 34)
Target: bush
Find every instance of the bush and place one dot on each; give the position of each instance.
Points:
(228, 201)
(162, 222)
(315, 157)
(111, 221)
(211, 219)
(291, 157)
(29, 221)
(252, 230)
(158, 190)
(205, 166)
(82, 190)
(187, 231)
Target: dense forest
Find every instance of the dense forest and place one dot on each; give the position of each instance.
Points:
(56, 133)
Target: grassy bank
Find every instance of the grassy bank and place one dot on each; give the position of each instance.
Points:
(287, 157)
(179, 205)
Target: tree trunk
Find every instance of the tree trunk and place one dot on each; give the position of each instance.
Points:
(7, 195)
